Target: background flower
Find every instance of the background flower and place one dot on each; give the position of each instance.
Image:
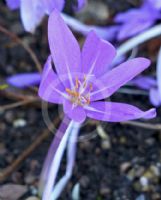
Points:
(136, 20)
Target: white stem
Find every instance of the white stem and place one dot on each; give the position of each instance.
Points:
(159, 72)
(71, 153)
(135, 41)
(56, 163)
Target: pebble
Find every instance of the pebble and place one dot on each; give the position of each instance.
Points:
(125, 166)
(156, 196)
(141, 197)
(96, 11)
(32, 198)
(29, 179)
(84, 181)
(123, 140)
(3, 149)
(144, 181)
(155, 170)
(18, 123)
(105, 191)
(33, 190)
(106, 144)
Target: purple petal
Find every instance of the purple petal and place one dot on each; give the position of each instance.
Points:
(119, 76)
(155, 97)
(51, 89)
(117, 112)
(128, 16)
(108, 33)
(75, 113)
(50, 5)
(97, 55)
(144, 82)
(132, 28)
(63, 46)
(13, 4)
(159, 73)
(32, 13)
(155, 3)
(24, 80)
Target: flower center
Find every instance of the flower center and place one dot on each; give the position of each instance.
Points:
(80, 94)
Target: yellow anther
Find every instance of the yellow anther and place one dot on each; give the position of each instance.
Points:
(91, 87)
(72, 93)
(76, 95)
(76, 83)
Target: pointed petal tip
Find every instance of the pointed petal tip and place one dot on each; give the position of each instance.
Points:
(151, 113)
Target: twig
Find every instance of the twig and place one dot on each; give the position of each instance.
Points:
(4, 174)
(143, 125)
(17, 104)
(25, 46)
(15, 95)
(133, 91)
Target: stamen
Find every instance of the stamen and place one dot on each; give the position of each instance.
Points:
(76, 83)
(76, 96)
(72, 93)
(91, 87)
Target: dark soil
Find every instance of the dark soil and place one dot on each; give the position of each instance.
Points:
(111, 169)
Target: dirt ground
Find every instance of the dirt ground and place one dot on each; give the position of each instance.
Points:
(126, 165)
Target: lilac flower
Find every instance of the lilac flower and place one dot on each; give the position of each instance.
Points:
(81, 82)
(33, 11)
(155, 3)
(137, 20)
(24, 80)
(149, 84)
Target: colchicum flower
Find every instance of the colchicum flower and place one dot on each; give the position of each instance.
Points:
(153, 85)
(137, 20)
(33, 11)
(149, 84)
(80, 81)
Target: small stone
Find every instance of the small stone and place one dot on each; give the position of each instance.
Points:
(141, 197)
(155, 170)
(30, 179)
(131, 174)
(84, 181)
(144, 181)
(34, 190)
(123, 140)
(17, 177)
(12, 191)
(34, 165)
(139, 171)
(106, 144)
(156, 196)
(3, 149)
(97, 11)
(104, 191)
(98, 151)
(18, 123)
(32, 198)
(125, 166)
(9, 116)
